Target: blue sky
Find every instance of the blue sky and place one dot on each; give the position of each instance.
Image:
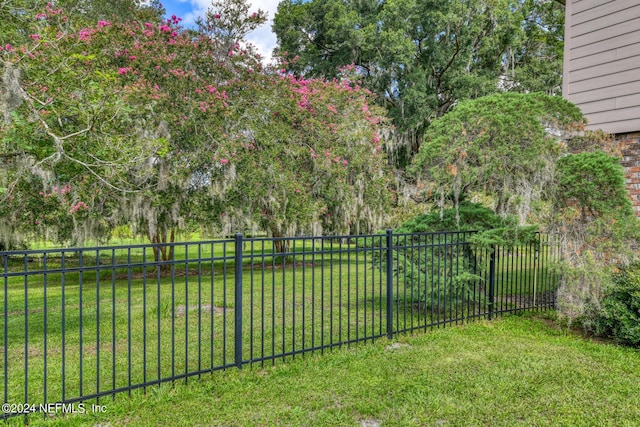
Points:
(262, 38)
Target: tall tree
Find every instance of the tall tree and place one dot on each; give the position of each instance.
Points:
(229, 22)
(503, 146)
(121, 110)
(422, 57)
(533, 63)
(307, 158)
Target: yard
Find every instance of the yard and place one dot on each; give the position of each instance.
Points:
(518, 370)
(81, 325)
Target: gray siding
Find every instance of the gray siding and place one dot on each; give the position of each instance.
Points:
(602, 62)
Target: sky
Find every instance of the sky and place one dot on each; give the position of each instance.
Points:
(263, 38)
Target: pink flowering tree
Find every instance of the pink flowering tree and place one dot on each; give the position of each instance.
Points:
(308, 158)
(125, 112)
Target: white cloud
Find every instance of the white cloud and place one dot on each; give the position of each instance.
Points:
(263, 38)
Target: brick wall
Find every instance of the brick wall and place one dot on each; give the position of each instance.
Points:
(630, 148)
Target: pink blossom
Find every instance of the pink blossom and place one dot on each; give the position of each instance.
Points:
(85, 34)
(8, 47)
(102, 24)
(217, 16)
(51, 10)
(224, 161)
(35, 37)
(80, 205)
(344, 162)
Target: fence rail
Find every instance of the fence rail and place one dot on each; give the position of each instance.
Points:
(85, 323)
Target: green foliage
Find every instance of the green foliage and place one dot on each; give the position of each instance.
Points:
(440, 258)
(534, 59)
(468, 217)
(595, 182)
(229, 21)
(499, 146)
(619, 315)
(423, 57)
(599, 231)
(453, 261)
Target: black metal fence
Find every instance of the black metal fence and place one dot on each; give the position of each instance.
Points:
(81, 324)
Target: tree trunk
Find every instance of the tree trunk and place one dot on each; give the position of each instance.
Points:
(279, 244)
(165, 250)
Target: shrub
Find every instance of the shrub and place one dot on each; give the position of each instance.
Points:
(452, 263)
(619, 316)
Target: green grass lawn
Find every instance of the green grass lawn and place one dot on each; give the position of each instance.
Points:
(508, 372)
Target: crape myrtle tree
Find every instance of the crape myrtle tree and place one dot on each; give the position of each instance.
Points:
(302, 155)
(65, 126)
(308, 158)
(122, 112)
(38, 161)
(422, 57)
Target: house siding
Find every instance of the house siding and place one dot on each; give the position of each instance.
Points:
(602, 62)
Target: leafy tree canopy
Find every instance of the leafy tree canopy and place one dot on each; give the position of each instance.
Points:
(504, 146)
(422, 57)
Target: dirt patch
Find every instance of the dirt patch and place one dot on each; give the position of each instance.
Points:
(92, 348)
(396, 346)
(181, 310)
(21, 312)
(526, 301)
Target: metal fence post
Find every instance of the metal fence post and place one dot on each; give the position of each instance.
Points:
(389, 283)
(492, 280)
(238, 302)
